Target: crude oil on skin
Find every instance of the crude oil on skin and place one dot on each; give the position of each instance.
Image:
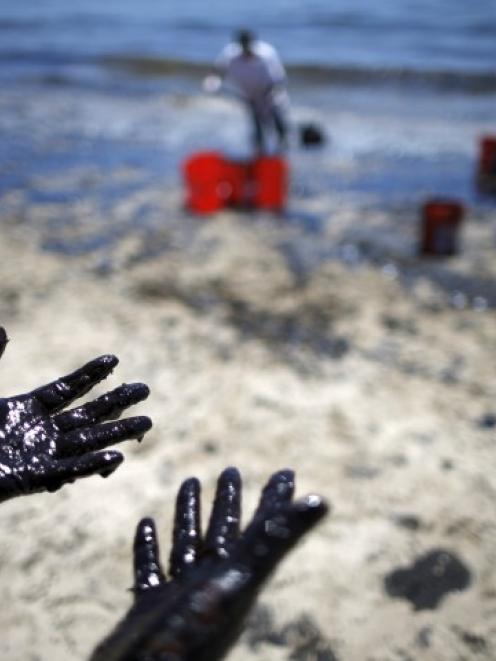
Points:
(198, 611)
(43, 446)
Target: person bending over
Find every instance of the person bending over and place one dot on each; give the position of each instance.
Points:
(252, 70)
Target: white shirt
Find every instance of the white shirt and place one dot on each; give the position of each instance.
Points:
(254, 75)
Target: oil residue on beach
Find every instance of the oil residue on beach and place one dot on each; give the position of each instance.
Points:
(429, 579)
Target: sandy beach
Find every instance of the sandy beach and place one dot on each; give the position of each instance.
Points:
(369, 374)
(317, 340)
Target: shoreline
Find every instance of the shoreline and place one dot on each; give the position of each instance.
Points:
(378, 147)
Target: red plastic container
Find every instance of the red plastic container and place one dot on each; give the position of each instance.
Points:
(235, 183)
(270, 174)
(486, 173)
(213, 183)
(487, 159)
(203, 177)
(441, 220)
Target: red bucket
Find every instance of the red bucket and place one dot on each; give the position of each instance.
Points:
(487, 157)
(486, 173)
(203, 178)
(235, 183)
(441, 220)
(270, 175)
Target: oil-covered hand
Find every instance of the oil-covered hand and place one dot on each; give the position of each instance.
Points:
(197, 614)
(43, 447)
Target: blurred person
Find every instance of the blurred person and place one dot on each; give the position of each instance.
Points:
(253, 70)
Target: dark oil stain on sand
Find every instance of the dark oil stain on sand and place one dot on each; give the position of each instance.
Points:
(429, 579)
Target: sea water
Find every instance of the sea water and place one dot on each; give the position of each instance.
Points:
(402, 89)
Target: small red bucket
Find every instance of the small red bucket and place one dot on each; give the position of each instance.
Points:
(486, 172)
(270, 174)
(235, 183)
(441, 220)
(203, 177)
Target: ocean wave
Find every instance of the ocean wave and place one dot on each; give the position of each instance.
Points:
(312, 18)
(467, 81)
(77, 20)
(155, 66)
(55, 63)
(42, 57)
(8, 24)
(449, 80)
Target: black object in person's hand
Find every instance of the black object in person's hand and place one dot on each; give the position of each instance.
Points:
(43, 447)
(197, 613)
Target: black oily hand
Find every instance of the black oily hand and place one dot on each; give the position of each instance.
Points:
(43, 447)
(198, 612)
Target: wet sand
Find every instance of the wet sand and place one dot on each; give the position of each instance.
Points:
(371, 377)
